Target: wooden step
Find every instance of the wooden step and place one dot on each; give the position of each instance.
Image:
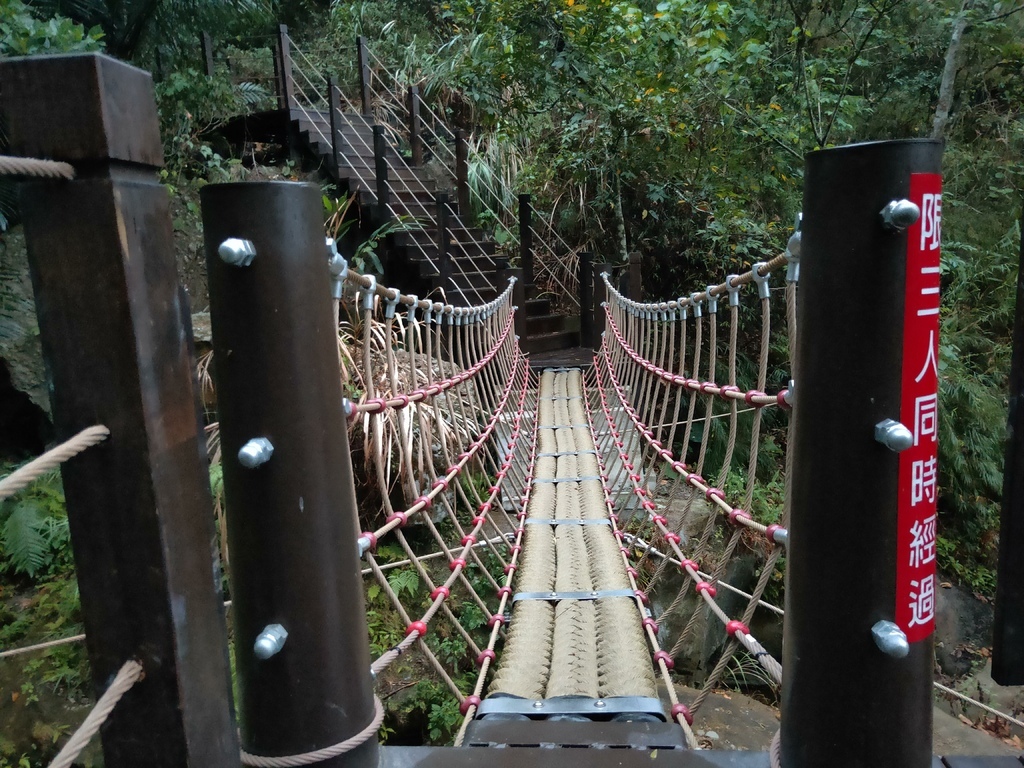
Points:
(547, 342)
(540, 324)
(536, 307)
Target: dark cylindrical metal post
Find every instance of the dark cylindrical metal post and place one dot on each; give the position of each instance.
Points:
(380, 162)
(334, 105)
(363, 64)
(444, 256)
(206, 44)
(585, 276)
(462, 172)
(526, 238)
(291, 507)
(600, 297)
(1008, 633)
(415, 126)
(849, 697)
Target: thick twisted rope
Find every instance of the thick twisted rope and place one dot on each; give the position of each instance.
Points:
(129, 674)
(319, 755)
(25, 475)
(30, 166)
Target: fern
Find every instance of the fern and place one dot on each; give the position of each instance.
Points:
(25, 541)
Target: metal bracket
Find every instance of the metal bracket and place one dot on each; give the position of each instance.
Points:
(569, 521)
(595, 595)
(712, 301)
(761, 281)
(571, 705)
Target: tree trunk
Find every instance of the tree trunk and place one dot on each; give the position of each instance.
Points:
(945, 101)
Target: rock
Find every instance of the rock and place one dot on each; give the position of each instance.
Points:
(963, 625)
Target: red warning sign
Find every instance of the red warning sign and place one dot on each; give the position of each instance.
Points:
(918, 473)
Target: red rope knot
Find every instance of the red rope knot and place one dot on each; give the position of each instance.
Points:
(749, 396)
(714, 493)
(401, 517)
(502, 472)
(724, 391)
(462, 456)
(650, 624)
(515, 548)
(673, 537)
(679, 466)
(648, 433)
(484, 655)
(679, 380)
(479, 520)
(458, 562)
(770, 532)
(468, 539)
(468, 703)
(521, 515)
(689, 565)
(706, 385)
(693, 477)
(703, 586)
(784, 403)
(618, 444)
(641, 596)
(403, 401)
(504, 591)
(442, 482)
(432, 390)
(510, 568)
(520, 531)
(736, 626)
(493, 490)
(496, 620)
(656, 444)
(635, 478)
(425, 500)
(664, 657)
(372, 547)
(736, 514)
(659, 520)
(624, 551)
(633, 572)
(375, 404)
(628, 465)
(609, 503)
(418, 627)
(682, 709)
(442, 591)
(613, 517)
(618, 535)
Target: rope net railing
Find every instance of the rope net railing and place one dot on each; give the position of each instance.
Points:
(668, 377)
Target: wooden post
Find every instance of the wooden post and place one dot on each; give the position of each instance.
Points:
(415, 128)
(600, 297)
(291, 519)
(444, 256)
(518, 300)
(462, 172)
(1008, 633)
(858, 311)
(113, 325)
(206, 44)
(363, 64)
(380, 160)
(526, 238)
(334, 105)
(635, 289)
(586, 297)
(283, 67)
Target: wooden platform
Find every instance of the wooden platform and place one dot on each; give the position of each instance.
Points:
(574, 357)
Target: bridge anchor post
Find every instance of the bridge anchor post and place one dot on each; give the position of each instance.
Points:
(301, 643)
(867, 352)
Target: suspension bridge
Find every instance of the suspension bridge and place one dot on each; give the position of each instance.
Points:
(570, 528)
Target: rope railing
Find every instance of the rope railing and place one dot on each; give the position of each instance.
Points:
(656, 358)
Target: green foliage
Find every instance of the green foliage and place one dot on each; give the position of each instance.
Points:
(23, 33)
(34, 535)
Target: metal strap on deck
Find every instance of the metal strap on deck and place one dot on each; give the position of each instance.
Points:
(562, 397)
(569, 521)
(556, 454)
(571, 705)
(561, 370)
(594, 595)
(564, 426)
(565, 479)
